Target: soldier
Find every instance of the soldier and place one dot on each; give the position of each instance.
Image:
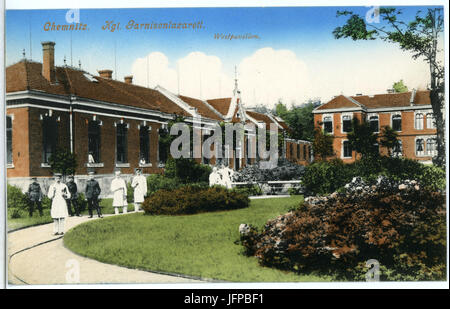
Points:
(35, 196)
(73, 197)
(92, 192)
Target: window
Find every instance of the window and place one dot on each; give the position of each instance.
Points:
(298, 151)
(430, 121)
(398, 149)
(419, 147)
(49, 137)
(163, 148)
(94, 140)
(9, 140)
(347, 149)
(121, 143)
(305, 152)
(376, 148)
(397, 122)
(291, 150)
(374, 124)
(144, 144)
(327, 124)
(346, 123)
(247, 150)
(431, 147)
(418, 123)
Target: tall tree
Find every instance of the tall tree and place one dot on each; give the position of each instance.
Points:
(389, 139)
(362, 139)
(419, 36)
(323, 144)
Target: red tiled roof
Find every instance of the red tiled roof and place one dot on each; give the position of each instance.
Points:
(26, 75)
(379, 100)
(203, 110)
(221, 105)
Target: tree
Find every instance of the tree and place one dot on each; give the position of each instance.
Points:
(389, 139)
(399, 87)
(362, 139)
(419, 36)
(322, 144)
(63, 161)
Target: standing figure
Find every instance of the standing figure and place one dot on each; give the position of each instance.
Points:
(58, 193)
(35, 197)
(92, 192)
(139, 184)
(119, 190)
(73, 200)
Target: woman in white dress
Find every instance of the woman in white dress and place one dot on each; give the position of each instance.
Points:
(58, 193)
(119, 190)
(139, 184)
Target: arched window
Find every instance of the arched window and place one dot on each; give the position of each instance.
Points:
(430, 121)
(419, 147)
(49, 137)
(431, 147)
(398, 149)
(346, 123)
(418, 124)
(94, 140)
(374, 123)
(397, 122)
(327, 124)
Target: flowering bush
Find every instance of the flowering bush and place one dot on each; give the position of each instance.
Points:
(401, 225)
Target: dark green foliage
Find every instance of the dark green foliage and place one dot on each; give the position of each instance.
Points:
(157, 182)
(252, 190)
(322, 144)
(63, 161)
(362, 139)
(389, 139)
(18, 202)
(187, 170)
(193, 199)
(327, 177)
(404, 230)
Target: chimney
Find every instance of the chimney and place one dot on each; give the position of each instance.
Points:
(128, 79)
(48, 61)
(105, 73)
(413, 96)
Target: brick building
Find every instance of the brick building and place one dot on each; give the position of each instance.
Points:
(410, 114)
(108, 124)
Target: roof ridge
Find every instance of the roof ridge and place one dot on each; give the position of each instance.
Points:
(128, 93)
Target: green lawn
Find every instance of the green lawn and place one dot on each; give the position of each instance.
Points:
(26, 221)
(200, 245)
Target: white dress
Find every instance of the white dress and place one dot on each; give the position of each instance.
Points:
(119, 189)
(59, 205)
(139, 184)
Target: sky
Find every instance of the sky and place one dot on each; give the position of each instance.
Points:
(291, 56)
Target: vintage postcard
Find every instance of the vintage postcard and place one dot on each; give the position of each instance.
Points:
(229, 144)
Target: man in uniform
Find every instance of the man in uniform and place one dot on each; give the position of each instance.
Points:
(73, 197)
(92, 193)
(35, 196)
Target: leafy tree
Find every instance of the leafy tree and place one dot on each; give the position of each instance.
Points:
(63, 161)
(280, 109)
(389, 138)
(323, 144)
(362, 139)
(400, 87)
(419, 36)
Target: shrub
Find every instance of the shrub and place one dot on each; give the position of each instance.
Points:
(193, 199)
(403, 227)
(187, 170)
(157, 182)
(17, 199)
(252, 190)
(326, 177)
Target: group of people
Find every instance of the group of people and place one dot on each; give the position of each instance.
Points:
(65, 195)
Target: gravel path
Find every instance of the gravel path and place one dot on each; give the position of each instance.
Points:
(38, 257)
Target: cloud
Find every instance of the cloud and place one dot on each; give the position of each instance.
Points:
(269, 75)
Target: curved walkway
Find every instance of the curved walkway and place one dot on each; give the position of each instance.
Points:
(38, 257)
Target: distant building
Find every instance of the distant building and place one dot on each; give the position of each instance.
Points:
(108, 124)
(408, 113)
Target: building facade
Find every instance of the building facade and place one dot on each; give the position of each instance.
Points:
(110, 124)
(410, 114)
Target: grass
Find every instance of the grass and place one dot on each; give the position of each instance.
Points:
(26, 221)
(200, 245)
